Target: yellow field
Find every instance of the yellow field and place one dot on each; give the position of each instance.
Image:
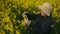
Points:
(11, 21)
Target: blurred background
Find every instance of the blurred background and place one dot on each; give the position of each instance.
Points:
(11, 20)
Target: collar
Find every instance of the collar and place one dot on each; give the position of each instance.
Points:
(43, 16)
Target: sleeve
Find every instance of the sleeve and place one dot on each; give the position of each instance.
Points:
(31, 16)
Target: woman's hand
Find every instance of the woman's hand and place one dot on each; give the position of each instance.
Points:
(26, 20)
(24, 13)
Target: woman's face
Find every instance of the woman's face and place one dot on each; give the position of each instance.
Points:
(43, 13)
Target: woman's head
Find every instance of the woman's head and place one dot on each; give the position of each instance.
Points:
(43, 13)
(45, 9)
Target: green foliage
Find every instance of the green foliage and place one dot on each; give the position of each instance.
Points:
(11, 20)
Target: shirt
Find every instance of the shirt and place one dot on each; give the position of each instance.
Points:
(39, 24)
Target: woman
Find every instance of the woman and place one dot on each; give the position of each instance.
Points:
(41, 23)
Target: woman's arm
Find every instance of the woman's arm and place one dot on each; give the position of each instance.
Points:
(27, 22)
(30, 16)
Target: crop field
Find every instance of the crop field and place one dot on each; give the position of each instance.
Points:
(11, 20)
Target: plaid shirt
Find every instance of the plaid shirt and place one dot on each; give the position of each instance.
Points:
(39, 23)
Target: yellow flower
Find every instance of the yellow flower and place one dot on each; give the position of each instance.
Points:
(9, 27)
(52, 26)
(18, 32)
(22, 23)
(19, 12)
(15, 16)
(2, 32)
